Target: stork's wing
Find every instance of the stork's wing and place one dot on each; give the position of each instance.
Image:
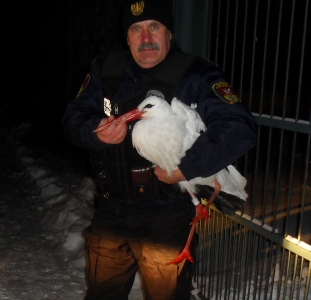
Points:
(232, 182)
(189, 114)
(193, 122)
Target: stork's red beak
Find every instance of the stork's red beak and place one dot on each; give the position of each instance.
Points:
(129, 116)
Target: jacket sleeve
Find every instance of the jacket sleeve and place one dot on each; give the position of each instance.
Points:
(83, 114)
(231, 128)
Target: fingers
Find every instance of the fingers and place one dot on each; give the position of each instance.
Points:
(115, 133)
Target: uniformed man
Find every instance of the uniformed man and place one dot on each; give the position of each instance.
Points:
(142, 219)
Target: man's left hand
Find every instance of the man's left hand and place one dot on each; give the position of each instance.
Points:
(174, 178)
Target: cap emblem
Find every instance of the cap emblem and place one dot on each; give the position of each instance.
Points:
(137, 8)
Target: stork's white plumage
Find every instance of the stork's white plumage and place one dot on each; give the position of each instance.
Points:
(164, 134)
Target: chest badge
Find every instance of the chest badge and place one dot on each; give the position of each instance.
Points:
(224, 91)
(107, 106)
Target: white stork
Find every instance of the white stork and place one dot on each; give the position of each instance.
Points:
(163, 135)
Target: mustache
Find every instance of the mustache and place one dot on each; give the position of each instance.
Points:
(148, 46)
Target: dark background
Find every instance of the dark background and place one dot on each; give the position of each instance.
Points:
(50, 46)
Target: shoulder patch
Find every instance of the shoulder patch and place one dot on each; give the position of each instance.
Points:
(84, 84)
(224, 91)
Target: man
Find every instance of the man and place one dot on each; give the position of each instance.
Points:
(142, 220)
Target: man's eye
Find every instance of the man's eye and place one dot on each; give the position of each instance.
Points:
(154, 27)
(135, 29)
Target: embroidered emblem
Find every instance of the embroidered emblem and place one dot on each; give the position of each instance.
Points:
(137, 8)
(224, 91)
(84, 84)
(155, 93)
(107, 107)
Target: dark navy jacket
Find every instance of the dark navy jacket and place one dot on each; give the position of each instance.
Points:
(231, 128)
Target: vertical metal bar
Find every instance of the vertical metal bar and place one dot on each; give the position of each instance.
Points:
(223, 249)
(264, 206)
(208, 30)
(241, 261)
(256, 172)
(288, 58)
(308, 281)
(261, 266)
(234, 40)
(276, 59)
(206, 256)
(243, 51)
(264, 57)
(253, 50)
(303, 45)
(218, 31)
(294, 272)
(226, 36)
(282, 262)
(300, 277)
(249, 262)
(305, 176)
(290, 184)
(278, 176)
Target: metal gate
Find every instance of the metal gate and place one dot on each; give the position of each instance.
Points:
(263, 252)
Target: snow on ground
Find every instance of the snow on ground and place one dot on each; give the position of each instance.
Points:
(45, 205)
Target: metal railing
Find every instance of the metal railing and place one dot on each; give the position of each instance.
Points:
(263, 252)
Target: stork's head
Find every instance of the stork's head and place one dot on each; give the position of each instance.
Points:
(150, 107)
(154, 107)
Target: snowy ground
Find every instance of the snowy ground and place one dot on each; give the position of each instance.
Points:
(45, 204)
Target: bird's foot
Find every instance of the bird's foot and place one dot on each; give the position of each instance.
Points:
(185, 254)
(202, 213)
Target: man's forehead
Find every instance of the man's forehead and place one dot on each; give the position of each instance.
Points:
(146, 22)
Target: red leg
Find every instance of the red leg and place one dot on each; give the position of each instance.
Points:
(203, 214)
(185, 253)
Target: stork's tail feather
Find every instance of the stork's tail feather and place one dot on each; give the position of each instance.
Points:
(226, 203)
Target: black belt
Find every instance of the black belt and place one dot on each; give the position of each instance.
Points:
(146, 187)
(142, 183)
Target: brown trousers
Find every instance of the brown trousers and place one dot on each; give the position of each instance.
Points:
(149, 239)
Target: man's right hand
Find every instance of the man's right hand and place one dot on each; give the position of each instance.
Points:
(115, 133)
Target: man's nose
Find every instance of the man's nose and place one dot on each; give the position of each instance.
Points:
(146, 36)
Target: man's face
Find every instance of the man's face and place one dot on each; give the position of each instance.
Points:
(149, 42)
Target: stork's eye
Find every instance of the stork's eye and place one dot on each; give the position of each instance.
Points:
(148, 106)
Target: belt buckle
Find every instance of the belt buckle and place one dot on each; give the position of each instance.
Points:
(142, 182)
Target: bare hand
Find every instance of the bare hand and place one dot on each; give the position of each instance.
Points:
(115, 133)
(174, 178)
